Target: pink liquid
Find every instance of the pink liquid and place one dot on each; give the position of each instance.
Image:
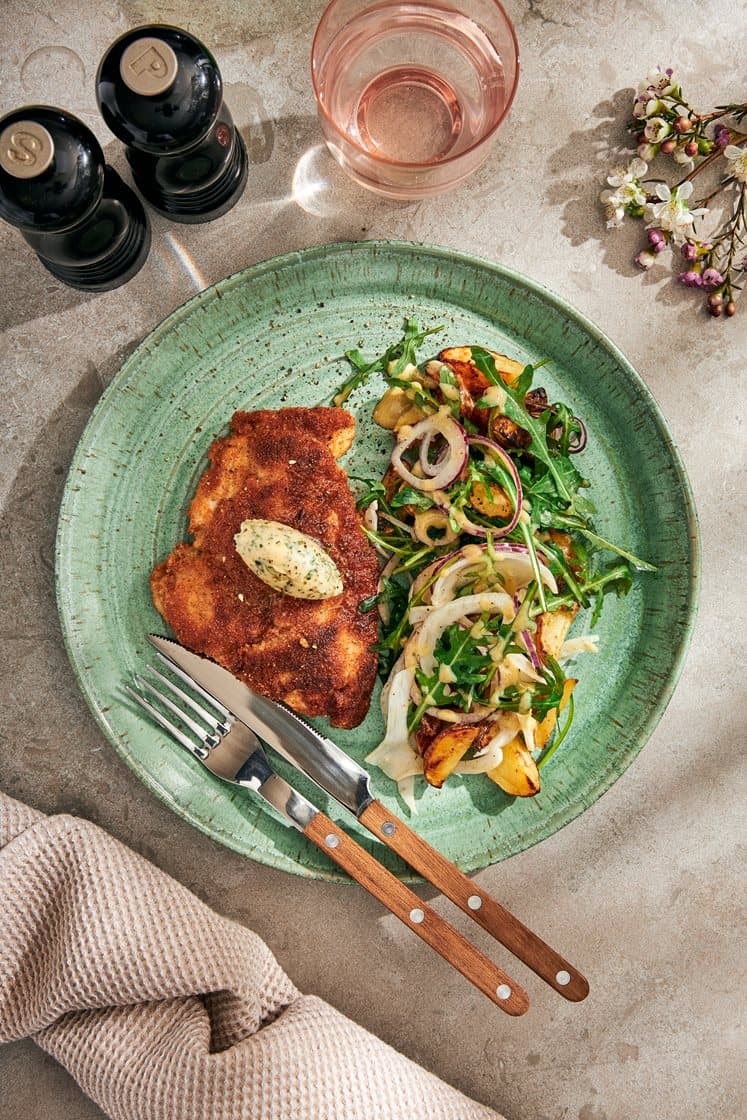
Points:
(413, 82)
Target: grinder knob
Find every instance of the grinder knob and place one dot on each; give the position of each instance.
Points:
(86, 226)
(160, 91)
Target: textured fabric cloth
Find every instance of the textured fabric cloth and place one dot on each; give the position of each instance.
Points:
(163, 1010)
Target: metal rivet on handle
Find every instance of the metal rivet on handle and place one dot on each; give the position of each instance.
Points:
(474, 902)
(389, 828)
(563, 977)
(417, 916)
(503, 991)
(331, 840)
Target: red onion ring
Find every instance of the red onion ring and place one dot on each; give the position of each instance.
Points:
(531, 649)
(428, 468)
(425, 574)
(507, 461)
(579, 439)
(456, 457)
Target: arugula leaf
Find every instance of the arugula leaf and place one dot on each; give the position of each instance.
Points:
(432, 696)
(580, 527)
(399, 355)
(559, 735)
(368, 604)
(407, 496)
(560, 566)
(457, 651)
(514, 408)
(565, 476)
(374, 491)
(617, 578)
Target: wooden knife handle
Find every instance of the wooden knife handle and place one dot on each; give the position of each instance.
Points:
(417, 915)
(493, 917)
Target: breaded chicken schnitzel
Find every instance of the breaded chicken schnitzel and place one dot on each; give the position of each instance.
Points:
(316, 655)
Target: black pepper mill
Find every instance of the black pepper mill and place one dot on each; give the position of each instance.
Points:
(86, 226)
(160, 91)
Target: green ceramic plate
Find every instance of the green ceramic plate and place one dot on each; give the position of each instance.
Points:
(273, 335)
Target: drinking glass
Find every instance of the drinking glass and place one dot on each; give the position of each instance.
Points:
(410, 95)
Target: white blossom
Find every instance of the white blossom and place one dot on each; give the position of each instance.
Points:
(738, 159)
(659, 82)
(672, 214)
(628, 192)
(656, 130)
(679, 155)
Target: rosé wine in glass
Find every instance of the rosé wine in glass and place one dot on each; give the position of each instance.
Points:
(410, 94)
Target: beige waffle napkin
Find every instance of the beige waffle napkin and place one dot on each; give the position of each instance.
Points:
(163, 1010)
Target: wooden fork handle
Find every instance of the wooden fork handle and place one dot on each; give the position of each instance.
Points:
(417, 915)
(493, 917)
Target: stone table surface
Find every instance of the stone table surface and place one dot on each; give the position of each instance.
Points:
(647, 885)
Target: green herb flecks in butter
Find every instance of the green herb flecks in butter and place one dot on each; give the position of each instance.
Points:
(288, 560)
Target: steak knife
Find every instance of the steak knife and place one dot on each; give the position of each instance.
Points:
(342, 778)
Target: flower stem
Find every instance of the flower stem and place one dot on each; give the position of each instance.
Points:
(732, 231)
(703, 164)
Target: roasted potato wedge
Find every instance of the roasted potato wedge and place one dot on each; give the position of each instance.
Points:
(491, 500)
(564, 542)
(426, 731)
(459, 360)
(472, 384)
(396, 409)
(448, 748)
(552, 630)
(517, 772)
(506, 432)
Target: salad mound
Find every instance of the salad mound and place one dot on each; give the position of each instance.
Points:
(489, 553)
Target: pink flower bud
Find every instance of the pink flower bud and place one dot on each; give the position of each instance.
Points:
(712, 278)
(682, 124)
(668, 146)
(691, 149)
(721, 136)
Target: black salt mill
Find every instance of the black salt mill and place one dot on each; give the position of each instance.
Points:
(160, 91)
(85, 224)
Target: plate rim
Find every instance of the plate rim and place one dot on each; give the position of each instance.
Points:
(299, 257)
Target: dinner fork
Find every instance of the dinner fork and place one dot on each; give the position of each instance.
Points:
(233, 753)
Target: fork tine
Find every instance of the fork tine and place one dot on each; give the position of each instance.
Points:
(198, 709)
(166, 724)
(203, 692)
(204, 736)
